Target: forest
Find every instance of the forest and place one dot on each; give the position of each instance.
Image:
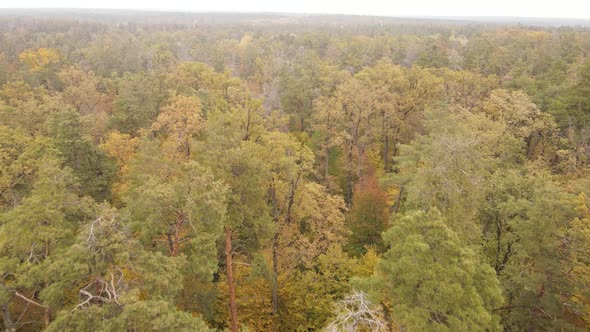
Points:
(268, 172)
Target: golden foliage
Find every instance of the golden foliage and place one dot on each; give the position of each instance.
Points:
(39, 59)
(122, 148)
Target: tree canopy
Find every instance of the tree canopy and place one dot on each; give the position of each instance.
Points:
(270, 172)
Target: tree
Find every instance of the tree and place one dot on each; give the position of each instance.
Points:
(465, 89)
(433, 281)
(28, 108)
(233, 151)
(121, 148)
(448, 168)
(290, 163)
(544, 273)
(508, 198)
(579, 233)
(21, 160)
(176, 204)
(357, 101)
(94, 169)
(317, 222)
(138, 102)
(176, 208)
(327, 120)
(83, 90)
(354, 312)
(17, 92)
(42, 65)
(216, 91)
(571, 104)
(115, 53)
(523, 119)
(180, 120)
(4, 69)
(298, 90)
(401, 96)
(308, 295)
(39, 59)
(368, 216)
(36, 230)
(117, 280)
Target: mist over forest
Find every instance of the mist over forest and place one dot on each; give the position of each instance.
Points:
(194, 171)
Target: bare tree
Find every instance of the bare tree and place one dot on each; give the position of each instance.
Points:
(356, 313)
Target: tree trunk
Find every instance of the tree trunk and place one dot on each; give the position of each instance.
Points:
(361, 154)
(395, 139)
(386, 154)
(385, 138)
(498, 243)
(174, 235)
(327, 166)
(275, 274)
(275, 245)
(230, 280)
(302, 123)
(275, 239)
(8, 323)
(349, 177)
(47, 317)
(398, 203)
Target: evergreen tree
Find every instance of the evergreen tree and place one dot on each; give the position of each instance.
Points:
(432, 280)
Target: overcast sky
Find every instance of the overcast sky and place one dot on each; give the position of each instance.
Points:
(521, 8)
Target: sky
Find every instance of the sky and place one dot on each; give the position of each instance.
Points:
(515, 8)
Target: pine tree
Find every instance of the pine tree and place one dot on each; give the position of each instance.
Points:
(432, 280)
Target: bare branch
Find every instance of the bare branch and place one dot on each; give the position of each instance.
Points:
(29, 300)
(354, 311)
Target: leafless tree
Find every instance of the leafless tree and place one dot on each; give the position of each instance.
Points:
(356, 313)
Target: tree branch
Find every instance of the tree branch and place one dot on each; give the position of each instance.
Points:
(29, 300)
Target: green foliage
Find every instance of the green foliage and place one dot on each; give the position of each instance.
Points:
(46, 218)
(280, 149)
(235, 156)
(449, 168)
(572, 104)
(39, 228)
(309, 295)
(433, 281)
(20, 161)
(94, 169)
(118, 280)
(297, 85)
(176, 208)
(28, 109)
(138, 102)
(543, 228)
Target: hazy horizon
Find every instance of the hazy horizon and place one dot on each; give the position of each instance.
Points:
(566, 9)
